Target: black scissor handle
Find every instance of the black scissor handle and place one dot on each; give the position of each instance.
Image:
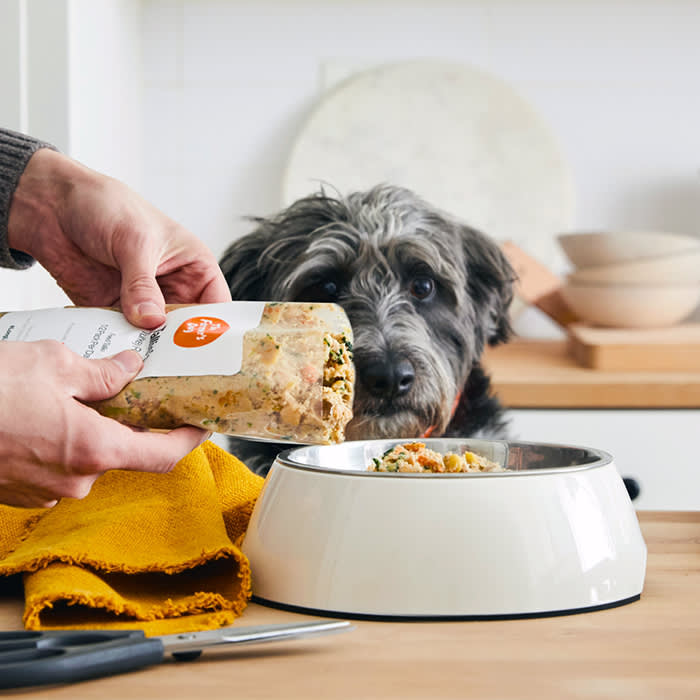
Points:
(42, 658)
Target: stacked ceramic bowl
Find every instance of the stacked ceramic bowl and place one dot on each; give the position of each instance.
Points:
(632, 279)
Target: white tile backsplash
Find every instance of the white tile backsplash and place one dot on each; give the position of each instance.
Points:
(278, 38)
(163, 129)
(634, 152)
(161, 38)
(613, 80)
(623, 41)
(228, 84)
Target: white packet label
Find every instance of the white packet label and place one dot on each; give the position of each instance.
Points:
(194, 340)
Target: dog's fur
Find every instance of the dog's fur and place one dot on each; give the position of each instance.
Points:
(423, 292)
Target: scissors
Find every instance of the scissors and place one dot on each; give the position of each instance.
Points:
(62, 656)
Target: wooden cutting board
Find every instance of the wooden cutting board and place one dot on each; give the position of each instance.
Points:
(660, 349)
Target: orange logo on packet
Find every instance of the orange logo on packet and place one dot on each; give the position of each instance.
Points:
(198, 331)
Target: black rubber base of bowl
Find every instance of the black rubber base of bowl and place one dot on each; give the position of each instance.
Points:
(439, 618)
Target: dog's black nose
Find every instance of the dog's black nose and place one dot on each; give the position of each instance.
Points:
(385, 379)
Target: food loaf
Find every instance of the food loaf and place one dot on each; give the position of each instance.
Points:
(292, 378)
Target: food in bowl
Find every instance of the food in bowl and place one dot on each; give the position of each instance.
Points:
(416, 457)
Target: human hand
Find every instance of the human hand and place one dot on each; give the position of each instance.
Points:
(53, 446)
(105, 245)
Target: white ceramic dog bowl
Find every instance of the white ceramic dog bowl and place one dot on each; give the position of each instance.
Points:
(589, 249)
(557, 534)
(631, 305)
(683, 268)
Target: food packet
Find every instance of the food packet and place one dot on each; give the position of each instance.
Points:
(278, 371)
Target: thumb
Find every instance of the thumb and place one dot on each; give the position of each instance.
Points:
(105, 378)
(142, 301)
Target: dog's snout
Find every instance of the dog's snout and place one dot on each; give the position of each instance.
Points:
(386, 379)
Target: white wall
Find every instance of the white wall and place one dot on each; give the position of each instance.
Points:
(71, 74)
(105, 75)
(228, 84)
(13, 99)
(196, 103)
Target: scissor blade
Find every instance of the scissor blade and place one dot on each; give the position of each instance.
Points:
(196, 641)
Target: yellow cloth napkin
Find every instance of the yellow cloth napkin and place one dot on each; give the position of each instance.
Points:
(158, 552)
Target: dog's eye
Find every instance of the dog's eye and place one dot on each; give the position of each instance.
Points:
(330, 289)
(422, 287)
(325, 290)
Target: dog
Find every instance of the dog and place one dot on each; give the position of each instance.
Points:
(424, 294)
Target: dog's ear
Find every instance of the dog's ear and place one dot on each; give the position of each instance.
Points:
(490, 279)
(239, 264)
(257, 265)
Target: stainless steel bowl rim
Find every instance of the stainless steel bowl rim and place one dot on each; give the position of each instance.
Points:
(598, 459)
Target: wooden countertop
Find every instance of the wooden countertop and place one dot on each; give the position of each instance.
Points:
(542, 374)
(647, 649)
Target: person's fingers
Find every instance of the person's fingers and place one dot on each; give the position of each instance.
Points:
(216, 291)
(141, 297)
(124, 448)
(160, 452)
(63, 485)
(27, 496)
(102, 379)
(26, 501)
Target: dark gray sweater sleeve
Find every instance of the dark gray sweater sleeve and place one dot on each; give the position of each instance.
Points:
(15, 152)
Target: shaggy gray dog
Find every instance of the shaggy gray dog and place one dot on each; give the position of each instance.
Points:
(423, 292)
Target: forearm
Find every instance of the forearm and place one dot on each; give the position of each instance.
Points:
(15, 152)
